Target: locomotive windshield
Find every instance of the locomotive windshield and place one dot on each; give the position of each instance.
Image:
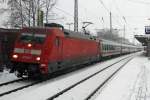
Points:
(30, 37)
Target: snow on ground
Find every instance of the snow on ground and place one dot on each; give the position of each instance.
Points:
(5, 76)
(81, 91)
(132, 82)
(46, 89)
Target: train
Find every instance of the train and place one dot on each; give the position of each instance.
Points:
(40, 51)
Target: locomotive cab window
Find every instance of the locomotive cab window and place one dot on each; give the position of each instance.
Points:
(30, 37)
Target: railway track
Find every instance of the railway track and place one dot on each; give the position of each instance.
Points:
(57, 95)
(21, 87)
(15, 85)
(10, 82)
(103, 83)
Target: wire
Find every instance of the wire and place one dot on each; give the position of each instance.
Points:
(104, 6)
(64, 11)
(117, 8)
(60, 9)
(102, 3)
(141, 2)
(123, 17)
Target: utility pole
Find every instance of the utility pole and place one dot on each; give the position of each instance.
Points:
(110, 23)
(76, 15)
(124, 32)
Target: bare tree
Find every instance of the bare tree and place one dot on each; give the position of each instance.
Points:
(25, 12)
(49, 5)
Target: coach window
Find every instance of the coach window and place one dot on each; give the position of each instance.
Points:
(102, 46)
(106, 47)
(57, 41)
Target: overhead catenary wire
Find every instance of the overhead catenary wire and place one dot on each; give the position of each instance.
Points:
(105, 7)
(64, 11)
(71, 15)
(140, 2)
(102, 3)
(118, 9)
(122, 16)
(81, 19)
(123, 24)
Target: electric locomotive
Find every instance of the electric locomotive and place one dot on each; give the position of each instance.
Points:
(44, 50)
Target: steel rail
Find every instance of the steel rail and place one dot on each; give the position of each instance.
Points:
(13, 81)
(81, 81)
(101, 85)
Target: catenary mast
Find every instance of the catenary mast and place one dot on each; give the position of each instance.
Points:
(76, 15)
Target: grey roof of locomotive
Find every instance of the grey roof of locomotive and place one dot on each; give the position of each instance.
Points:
(79, 35)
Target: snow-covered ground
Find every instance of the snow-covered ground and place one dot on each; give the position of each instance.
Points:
(5, 76)
(132, 82)
(125, 79)
(82, 91)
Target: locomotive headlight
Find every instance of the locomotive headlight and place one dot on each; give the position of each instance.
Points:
(29, 45)
(38, 58)
(15, 56)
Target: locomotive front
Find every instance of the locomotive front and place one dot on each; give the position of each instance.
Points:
(26, 57)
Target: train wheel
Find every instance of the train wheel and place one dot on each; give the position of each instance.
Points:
(18, 74)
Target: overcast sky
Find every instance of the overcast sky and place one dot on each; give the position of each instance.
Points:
(136, 13)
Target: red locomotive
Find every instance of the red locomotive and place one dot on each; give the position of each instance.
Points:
(52, 48)
(45, 50)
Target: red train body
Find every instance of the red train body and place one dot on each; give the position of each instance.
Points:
(49, 49)
(46, 50)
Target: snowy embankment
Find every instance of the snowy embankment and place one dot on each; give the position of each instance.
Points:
(5, 76)
(46, 89)
(83, 90)
(132, 82)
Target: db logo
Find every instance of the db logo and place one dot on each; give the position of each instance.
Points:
(26, 57)
(27, 51)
